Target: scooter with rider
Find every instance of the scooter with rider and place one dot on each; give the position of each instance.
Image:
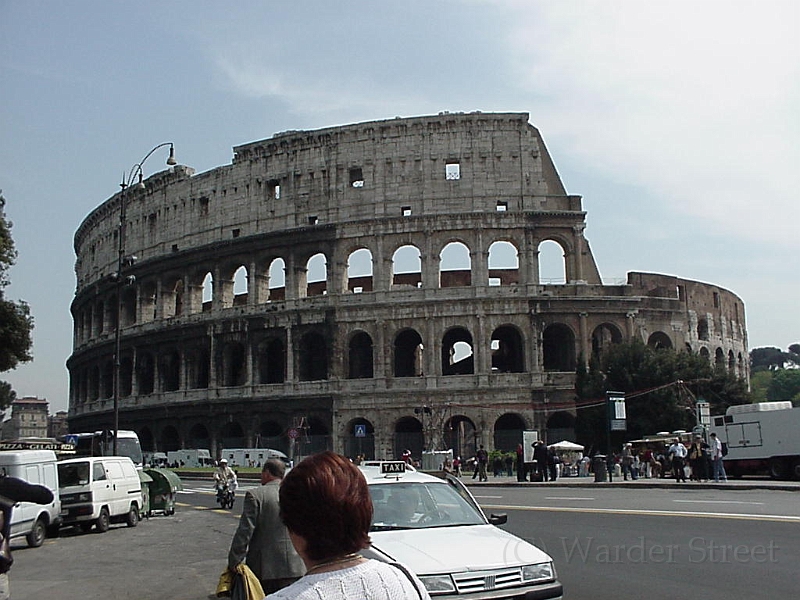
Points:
(225, 483)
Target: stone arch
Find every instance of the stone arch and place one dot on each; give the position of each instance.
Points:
(503, 263)
(207, 292)
(458, 357)
(407, 267)
(317, 275)
(198, 368)
(170, 440)
(107, 379)
(702, 329)
(552, 262)
(313, 357)
(731, 362)
(232, 367)
(199, 437)
(127, 313)
(719, 358)
(508, 350)
(169, 371)
(270, 434)
(455, 265)
(271, 361)
(508, 430)
(232, 435)
(277, 280)
(408, 436)
(317, 436)
(359, 271)
(146, 439)
(360, 356)
(705, 353)
(355, 443)
(560, 426)
(659, 340)
(603, 337)
(461, 435)
(125, 374)
(241, 286)
(145, 372)
(408, 351)
(558, 348)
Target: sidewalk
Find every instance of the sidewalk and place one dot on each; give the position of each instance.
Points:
(739, 484)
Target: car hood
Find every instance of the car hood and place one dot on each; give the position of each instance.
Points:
(455, 549)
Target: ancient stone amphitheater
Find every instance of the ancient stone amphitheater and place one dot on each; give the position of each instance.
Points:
(366, 288)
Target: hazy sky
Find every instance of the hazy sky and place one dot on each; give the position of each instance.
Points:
(678, 122)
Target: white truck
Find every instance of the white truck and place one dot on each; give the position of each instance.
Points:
(190, 457)
(762, 437)
(251, 457)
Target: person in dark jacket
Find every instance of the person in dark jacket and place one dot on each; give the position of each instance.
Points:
(13, 490)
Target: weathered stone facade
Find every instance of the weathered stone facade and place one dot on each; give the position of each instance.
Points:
(429, 324)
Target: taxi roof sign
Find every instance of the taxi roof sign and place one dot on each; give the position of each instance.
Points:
(393, 467)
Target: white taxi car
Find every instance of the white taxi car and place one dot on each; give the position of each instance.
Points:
(436, 528)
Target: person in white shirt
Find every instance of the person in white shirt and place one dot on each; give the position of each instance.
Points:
(718, 469)
(678, 453)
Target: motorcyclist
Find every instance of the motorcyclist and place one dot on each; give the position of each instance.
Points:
(224, 475)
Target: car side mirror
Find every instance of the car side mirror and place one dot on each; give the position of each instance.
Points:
(500, 519)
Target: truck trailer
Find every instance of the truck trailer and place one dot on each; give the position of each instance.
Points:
(760, 438)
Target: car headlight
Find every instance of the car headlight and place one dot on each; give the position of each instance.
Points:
(538, 572)
(438, 584)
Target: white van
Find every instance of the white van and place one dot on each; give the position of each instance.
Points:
(34, 521)
(98, 490)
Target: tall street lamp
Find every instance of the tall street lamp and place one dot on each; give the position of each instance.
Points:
(123, 262)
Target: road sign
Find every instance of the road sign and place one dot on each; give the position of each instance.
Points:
(361, 431)
(293, 433)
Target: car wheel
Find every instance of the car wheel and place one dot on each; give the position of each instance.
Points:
(778, 468)
(133, 517)
(103, 521)
(796, 468)
(37, 534)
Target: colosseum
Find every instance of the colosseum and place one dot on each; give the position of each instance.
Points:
(365, 288)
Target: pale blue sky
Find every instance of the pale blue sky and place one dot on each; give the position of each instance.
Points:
(677, 122)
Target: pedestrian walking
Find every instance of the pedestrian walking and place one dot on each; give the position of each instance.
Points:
(716, 459)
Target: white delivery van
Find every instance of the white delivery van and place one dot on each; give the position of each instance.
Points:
(34, 521)
(252, 457)
(99, 490)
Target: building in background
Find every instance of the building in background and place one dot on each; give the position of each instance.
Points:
(369, 288)
(29, 419)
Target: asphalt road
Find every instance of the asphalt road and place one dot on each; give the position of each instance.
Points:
(607, 542)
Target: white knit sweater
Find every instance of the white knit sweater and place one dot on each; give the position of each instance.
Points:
(370, 580)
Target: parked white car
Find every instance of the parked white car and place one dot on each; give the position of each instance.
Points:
(436, 528)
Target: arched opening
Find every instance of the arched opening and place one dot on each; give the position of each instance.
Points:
(552, 263)
(146, 439)
(145, 367)
(503, 264)
(125, 375)
(719, 358)
(272, 361)
(705, 353)
(199, 437)
(170, 371)
(560, 427)
(240, 286)
(702, 329)
(232, 435)
(198, 368)
(317, 275)
(408, 354)
(359, 439)
(277, 280)
(317, 437)
(128, 314)
(359, 271)
(508, 432)
(208, 292)
(408, 436)
(731, 362)
(457, 354)
(460, 435)
(271, 435)
(360, 356)
(407, 267)
(170, 440)
(455, 266)
(603, 337)
(659, 340)
(234, 372)
(313, 359)
(508, 354)
(558, 348)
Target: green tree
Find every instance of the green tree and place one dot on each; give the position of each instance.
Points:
(785, 385)
(759, 384)
(656, 402)
(16, 322)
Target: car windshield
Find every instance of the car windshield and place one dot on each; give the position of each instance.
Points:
(415, 505)
(70, 474)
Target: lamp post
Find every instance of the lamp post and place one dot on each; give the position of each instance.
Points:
(124, 261)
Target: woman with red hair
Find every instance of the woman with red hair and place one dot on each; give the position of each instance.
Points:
(326, 506)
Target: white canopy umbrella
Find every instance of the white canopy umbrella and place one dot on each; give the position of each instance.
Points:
(566, 445)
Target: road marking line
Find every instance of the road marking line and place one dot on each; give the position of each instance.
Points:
(567, 498)
(651, 513)
(718, 502)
